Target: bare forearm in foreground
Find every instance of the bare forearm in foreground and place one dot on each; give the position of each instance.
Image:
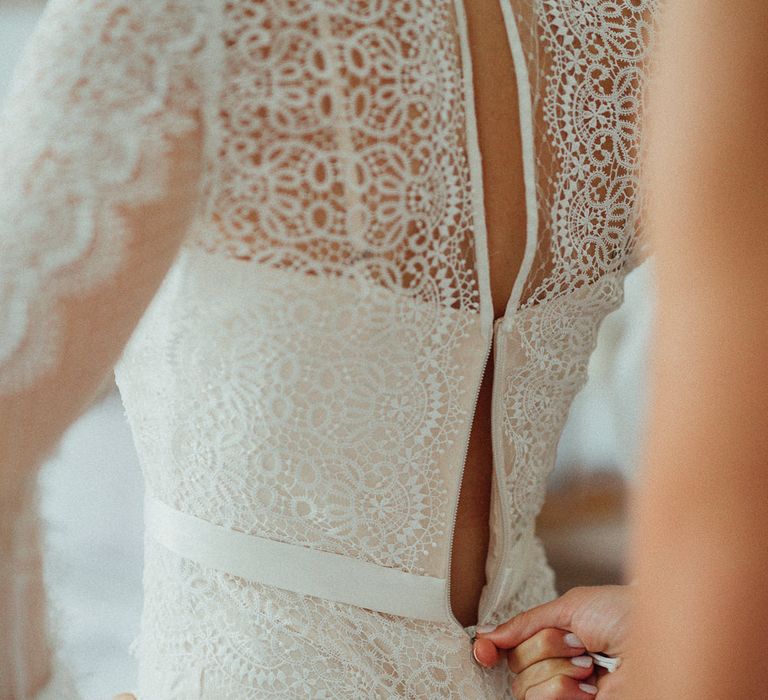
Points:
(699, 553)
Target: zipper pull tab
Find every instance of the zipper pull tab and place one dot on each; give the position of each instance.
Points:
(609, 662)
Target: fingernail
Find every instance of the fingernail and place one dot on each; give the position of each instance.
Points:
(587, 688)
(485, 629)
(573, 641)
(474, 655)
(583, 661)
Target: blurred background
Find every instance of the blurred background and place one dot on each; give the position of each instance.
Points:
(92, 489)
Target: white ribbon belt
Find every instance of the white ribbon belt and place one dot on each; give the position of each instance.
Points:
(297, 568)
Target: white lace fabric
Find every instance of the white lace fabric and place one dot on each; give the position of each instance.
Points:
(307, 371)
(100, 88)
(99, 93)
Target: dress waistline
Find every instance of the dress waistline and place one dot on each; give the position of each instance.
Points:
(297, 568)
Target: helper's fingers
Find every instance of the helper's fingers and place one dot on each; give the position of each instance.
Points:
(486, 653)
(548, 644)
(556, 613)
(561, 688)
(578, 668)
(124, 696)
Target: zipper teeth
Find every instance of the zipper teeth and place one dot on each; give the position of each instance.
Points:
(448, 607)
(497, 447)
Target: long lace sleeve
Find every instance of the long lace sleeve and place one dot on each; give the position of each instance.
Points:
(101, 150)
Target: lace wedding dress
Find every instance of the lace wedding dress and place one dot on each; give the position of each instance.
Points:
(302, 385)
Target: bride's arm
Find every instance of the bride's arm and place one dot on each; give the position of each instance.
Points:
(700, 552)
(100, 162)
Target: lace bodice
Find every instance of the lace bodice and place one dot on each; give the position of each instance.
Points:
(307, 370)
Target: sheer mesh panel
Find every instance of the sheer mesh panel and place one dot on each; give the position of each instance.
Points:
(587, 62)
(343, 146)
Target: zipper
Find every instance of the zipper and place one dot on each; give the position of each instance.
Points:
(488, 347)
(498, 451)
(526, 123)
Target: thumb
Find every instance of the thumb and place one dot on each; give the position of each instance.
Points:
(557, 613)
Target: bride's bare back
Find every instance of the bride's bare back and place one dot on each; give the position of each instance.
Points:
(500, 146)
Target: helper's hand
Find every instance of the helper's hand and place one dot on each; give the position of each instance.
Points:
(540, 643)
(124, 696)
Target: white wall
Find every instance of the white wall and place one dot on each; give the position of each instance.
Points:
(608, 415)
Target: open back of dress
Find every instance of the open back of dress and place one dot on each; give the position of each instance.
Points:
(301, 389)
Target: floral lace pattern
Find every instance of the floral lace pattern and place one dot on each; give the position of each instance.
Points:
(544, 365)
(261, 642)
(82, 138)
(589, 60)
(346, 447)
(343, 146)
(307, 371)
(81, 135)
(342, 204)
